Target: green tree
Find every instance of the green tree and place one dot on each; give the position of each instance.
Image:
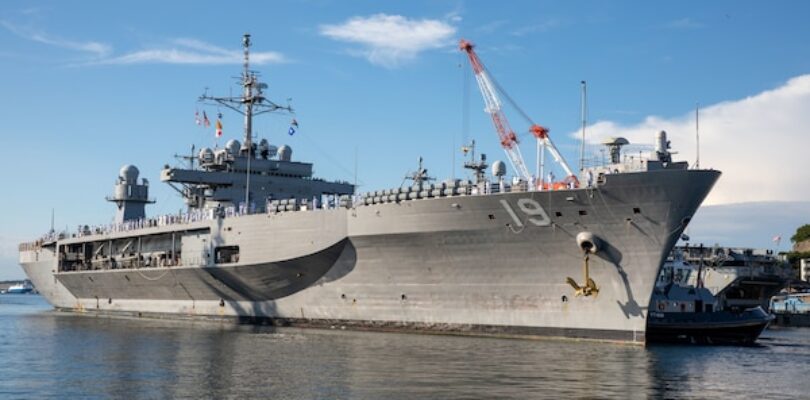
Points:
(802, 234)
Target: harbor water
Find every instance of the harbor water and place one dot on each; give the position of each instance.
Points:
(48, 354)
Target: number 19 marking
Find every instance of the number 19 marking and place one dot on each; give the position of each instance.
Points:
(537, 215)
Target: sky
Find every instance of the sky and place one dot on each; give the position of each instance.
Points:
(87, 87)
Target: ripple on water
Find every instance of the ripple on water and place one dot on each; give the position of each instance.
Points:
(56, 355)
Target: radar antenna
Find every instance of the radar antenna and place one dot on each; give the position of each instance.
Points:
(420, 176)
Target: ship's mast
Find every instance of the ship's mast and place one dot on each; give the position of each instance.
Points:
(254, 104)
(248, 81)
(479, 167)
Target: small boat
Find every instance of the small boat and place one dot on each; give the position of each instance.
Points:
(791, 309)
(20, 288)
(681, 313)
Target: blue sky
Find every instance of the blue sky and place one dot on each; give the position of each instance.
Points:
(89, 86)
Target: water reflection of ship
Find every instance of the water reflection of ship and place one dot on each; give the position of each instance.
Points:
(193, 359)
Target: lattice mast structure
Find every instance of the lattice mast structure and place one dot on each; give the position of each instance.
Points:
(251, 103)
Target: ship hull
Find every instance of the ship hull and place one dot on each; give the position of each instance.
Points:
(491, 264)
(719, 327)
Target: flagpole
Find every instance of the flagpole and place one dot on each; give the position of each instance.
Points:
(355, 168)
(697, 135)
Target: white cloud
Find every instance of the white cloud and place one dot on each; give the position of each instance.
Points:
(192, 51)
(96, 48)
(455, 15)
(389, 40)
(759, 143)
(178, 51)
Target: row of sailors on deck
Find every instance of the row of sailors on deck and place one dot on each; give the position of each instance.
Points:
(163, 220)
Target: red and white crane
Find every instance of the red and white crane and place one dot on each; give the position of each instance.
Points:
(509, 140)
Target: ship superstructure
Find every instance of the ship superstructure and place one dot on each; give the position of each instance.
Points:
(247, 174)
(740, 278)
(264, 240)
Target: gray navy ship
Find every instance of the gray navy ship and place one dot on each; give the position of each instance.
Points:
(265, 241)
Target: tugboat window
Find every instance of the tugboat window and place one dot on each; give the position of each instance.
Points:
(226, 254)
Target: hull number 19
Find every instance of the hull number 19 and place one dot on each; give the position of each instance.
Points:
(533, 210)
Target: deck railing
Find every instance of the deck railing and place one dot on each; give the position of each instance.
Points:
(451, 188)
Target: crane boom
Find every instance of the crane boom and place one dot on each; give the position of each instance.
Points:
(541, 134)
(492, 104)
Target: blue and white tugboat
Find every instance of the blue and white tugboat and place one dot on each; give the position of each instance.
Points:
(21, 288)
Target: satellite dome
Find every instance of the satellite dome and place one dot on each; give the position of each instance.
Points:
(233, 147)
(220, 156)
(206, 156)
(498, 169)
(129, 173)
(285, 153)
